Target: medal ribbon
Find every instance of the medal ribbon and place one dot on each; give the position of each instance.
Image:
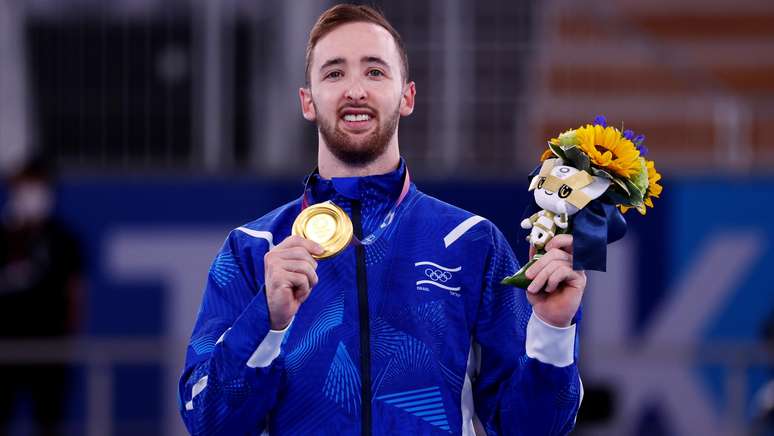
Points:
(373, 237)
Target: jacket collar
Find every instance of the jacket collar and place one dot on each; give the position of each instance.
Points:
(380, 187)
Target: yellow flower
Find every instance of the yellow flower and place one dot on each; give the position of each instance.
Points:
(608, 149)
(654, 189)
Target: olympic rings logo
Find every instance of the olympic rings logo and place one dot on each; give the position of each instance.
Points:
(437, 275)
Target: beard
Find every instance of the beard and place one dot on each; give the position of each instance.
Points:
(358, 151)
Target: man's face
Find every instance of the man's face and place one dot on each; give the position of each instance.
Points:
(30, 201)
(357, 92)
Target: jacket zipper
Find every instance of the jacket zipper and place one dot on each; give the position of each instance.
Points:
(365, 329)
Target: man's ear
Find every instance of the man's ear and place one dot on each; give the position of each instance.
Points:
(407, 99)
(307, 106)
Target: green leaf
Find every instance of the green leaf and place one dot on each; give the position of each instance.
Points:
(616, 197)
(600, 173)
(578, 158)
(636, 194)
(519, 278)
(621, 184)
(557, 151)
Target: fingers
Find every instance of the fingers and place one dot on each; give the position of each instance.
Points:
(301, 286)
(540, 280)
(300, 267)
(290, 274)
(295, 253)
(283, 265)
(297, 241)
(284, 281)
(554, 273)
(562, 242)
(552, 255)
(561, 273)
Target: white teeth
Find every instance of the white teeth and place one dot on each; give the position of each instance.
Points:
(358, 117)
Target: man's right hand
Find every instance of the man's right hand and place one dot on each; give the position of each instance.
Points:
(289, 269)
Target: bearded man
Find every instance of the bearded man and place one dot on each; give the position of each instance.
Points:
(405, 330)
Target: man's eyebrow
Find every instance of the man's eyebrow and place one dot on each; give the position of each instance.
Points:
(374, 60)
(365, 60)
(334, 61)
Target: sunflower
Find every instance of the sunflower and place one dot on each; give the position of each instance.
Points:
(653, 191)
(609, 150)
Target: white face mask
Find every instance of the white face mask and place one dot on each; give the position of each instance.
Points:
(30, 202)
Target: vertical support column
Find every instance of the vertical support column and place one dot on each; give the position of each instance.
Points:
(14, 128)
(276, 146)
(733, 142)
(100, 399)
(208, 22)
(447, 148)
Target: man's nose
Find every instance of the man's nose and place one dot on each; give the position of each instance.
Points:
(356, 91)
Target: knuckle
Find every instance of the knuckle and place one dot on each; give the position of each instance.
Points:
(299, 251)
(288, 242)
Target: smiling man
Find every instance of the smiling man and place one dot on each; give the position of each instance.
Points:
(405, 330)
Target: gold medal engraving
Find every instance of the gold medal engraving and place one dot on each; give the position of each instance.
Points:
(326, 224)
(321, 228)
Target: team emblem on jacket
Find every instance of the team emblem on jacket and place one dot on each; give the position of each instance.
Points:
(437, 276)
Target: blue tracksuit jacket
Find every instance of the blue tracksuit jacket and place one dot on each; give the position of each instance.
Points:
(409, 335)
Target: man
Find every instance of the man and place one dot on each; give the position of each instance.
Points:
(40, 276)
(408, 332)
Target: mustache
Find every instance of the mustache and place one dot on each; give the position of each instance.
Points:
(364, 107)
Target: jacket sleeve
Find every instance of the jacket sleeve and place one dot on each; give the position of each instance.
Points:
(233, 365)
(528, 381)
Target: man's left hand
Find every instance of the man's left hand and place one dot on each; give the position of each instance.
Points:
(556, 289)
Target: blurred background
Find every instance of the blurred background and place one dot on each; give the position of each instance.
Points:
(134, 134)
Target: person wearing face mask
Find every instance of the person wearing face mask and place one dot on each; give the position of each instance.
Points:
(40, 269)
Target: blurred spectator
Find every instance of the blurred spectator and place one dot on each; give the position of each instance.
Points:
(40, 267)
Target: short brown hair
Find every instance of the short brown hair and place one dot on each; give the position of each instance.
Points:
(349, 13)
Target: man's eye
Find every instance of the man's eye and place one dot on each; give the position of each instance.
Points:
(375, 73)
(333, 75)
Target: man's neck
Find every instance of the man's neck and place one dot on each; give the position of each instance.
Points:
(329, 166)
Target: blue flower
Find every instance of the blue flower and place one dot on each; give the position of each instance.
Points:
(628, 134)
(639, 143)
(600, 120)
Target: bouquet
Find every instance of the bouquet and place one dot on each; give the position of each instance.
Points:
(588, 177)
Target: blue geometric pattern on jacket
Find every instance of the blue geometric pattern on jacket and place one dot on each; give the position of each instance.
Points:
(426, 403)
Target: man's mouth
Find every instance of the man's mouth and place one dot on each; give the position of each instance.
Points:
(359, 117)
(357, 120)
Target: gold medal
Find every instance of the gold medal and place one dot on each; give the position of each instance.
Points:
(326, 224)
